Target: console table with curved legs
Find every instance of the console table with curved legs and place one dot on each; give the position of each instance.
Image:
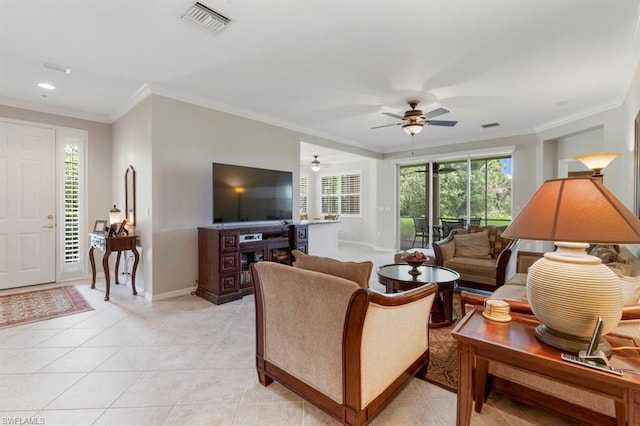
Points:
(108, 245)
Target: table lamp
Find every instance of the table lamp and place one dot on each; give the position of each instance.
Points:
(597, 161)
(569, 289)
(114, 215)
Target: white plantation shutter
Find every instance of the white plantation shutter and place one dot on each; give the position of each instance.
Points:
(71, 245)
(304, 194)
(341, 194)
(329, 195)
(350, 194)
(71, 209)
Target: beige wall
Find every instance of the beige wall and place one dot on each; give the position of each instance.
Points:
(187, 139)
(99, 158)
(132, 145)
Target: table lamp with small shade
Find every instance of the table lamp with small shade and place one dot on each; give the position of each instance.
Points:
(569, 289)
(597, 161)
(114, 215)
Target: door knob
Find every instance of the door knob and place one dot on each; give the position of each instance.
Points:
(49, 225)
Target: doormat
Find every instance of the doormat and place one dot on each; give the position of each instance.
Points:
(24, 308)
(443, 354)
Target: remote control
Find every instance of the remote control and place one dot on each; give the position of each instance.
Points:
(591, 364)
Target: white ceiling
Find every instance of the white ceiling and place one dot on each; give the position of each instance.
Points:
(330, 67)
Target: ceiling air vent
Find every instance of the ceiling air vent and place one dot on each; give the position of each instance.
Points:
(206, 18)
(488, 125)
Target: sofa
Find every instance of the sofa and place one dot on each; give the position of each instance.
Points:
(480, 255)
(346, 349)
(583, 406)
(618, 258)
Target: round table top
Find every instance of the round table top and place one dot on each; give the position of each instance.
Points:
(429, 273)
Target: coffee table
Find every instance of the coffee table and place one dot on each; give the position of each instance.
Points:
(396, 277)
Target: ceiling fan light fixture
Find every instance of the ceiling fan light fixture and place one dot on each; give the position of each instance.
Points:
(315, 164)
(412, 128)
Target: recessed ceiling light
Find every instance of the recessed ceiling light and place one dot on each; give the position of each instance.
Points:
(47, 86)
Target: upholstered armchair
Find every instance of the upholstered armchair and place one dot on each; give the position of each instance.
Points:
(480, 255)
(346, 349)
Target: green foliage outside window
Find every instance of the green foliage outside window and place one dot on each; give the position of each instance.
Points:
(490, 193)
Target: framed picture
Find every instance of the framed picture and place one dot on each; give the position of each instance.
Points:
(100, 226)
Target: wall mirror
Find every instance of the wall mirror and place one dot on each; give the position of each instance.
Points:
(130, 195)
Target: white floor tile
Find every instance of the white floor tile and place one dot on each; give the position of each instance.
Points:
(95, 390)
(28, 360)
(34, 391)
(68, 417)
(81, 359)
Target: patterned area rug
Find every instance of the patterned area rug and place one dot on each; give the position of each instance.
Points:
(23, 308)
(443, 353)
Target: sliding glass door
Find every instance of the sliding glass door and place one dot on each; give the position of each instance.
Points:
(467, 191)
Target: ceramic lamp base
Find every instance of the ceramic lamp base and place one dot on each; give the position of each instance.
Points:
(568, 290)
(567, 342)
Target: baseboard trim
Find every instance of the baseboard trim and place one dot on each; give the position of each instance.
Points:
(171, 294)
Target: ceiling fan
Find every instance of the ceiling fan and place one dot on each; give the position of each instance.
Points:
(414, 119)
(315, 164)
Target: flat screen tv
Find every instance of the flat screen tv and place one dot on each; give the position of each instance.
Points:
(249, 194)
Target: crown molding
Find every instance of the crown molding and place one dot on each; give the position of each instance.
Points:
(588, 112)
(32, 106)
(138, 96)
(179, 95)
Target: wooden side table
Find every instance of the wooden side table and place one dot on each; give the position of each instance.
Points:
(481, 341)
(108, 245)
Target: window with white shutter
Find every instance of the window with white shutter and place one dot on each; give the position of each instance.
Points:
(304, 194)
(341, 194)
(71, 245)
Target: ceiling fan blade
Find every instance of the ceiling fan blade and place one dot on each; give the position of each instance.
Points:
(442, 123)
(390, 114)
(387, 125)
(436, 112)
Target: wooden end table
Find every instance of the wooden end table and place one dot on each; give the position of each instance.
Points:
(118, 244)
(396, 277)
(481, 341)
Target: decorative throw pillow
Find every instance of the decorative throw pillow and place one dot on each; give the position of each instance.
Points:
(358, 272)
(620, 269)
(630, 289)
(474, 245)
(606, 252)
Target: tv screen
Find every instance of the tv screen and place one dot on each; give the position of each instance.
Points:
(249, 194)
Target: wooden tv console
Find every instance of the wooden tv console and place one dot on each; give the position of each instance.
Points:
(225, 255)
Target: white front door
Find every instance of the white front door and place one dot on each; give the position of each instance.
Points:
(27, 205)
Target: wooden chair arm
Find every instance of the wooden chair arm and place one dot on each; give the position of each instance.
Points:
(437, 248)
(507, 264)
(631, 312)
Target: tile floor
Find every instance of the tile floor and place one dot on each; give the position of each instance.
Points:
(182, 361)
